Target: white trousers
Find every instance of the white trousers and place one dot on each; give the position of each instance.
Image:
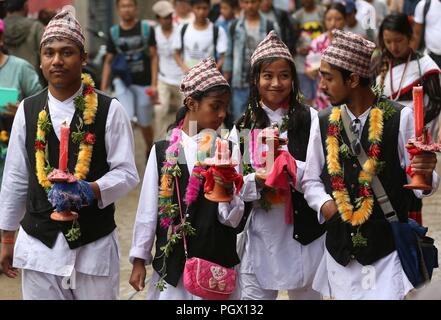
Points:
(79, 286)
(250, 289)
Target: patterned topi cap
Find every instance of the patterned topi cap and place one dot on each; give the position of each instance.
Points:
(201, 77)
(271, 47)
(66, 26)
(351, 52)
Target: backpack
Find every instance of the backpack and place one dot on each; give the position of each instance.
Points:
(215, 36)
(120, 67)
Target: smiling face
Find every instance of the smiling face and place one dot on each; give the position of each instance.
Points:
(275, 83)
(61, 63)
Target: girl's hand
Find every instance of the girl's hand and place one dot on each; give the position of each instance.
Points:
(424, 163)
(228, 186)
(10, 110)
(137, 278)
(311, 73)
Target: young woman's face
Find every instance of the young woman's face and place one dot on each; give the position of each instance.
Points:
(275, 83)
(396, 43)
(210, 111)
(334, 20)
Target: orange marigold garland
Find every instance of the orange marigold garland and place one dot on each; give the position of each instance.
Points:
(365, 201)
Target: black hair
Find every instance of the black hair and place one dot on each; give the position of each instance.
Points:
(345, 74)
(52, 39)
(134, 1)
(336, 6)
(15, 5)
(397, 22)
(198, 96)
(255, 117)
(232, 3)
(195, 2)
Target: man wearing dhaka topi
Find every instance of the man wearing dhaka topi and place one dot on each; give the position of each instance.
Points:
(70, 158)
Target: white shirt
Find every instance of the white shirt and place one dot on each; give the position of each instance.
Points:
(278, 261)
(30, 253)
(169, 71)
(366, 14)
(347, 283)
(433, 24)
(198, 44)
(144, 230)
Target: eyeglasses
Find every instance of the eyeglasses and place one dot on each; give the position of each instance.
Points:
(356, 144)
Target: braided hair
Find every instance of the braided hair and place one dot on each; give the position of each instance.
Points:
(256, 117)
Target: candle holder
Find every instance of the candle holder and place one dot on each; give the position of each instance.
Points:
(62, 176)
(271, 137)
(222, 165)
(423, 143)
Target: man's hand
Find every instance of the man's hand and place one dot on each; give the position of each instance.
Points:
(424, 163)
(7, 254)
(329, 209)
(137, 278)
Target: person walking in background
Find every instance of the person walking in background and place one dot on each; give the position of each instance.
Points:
(66, 260)
(23, 34)
(15, 73)
(131, 60)
(244, 36)
(169, 73)
(183, 12)
(334, 19)
(310, 19)
(353, 25)
(228, 11)
(200, 39)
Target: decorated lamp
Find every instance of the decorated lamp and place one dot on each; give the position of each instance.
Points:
(422, 142)
(221, 165)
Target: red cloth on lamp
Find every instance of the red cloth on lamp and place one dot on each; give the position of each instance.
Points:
(227, 174)
(284, 165)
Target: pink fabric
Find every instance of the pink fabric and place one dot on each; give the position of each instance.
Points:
(208, 280)
(2, 26)
(284, 165)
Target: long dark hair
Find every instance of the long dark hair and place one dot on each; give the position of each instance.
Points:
(255, 116)
(198, 96)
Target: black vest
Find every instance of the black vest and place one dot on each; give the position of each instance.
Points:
(213, 241)
(306, 225)
(95, 223)
(376, 229)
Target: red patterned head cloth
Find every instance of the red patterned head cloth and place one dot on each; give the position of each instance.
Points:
(351, 52)
(201, 77)
(271, 47)
(66, 26)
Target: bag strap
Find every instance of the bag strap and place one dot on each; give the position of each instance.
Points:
(423, 31)
(184, 28)
(114, 33)
(215, 36)
(145, 32)
(182, 216)
(377, 187)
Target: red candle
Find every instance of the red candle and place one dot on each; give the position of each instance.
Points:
(418, 110)
(64, 145)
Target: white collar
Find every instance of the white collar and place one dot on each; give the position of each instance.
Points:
(278, 112)
(68, 100)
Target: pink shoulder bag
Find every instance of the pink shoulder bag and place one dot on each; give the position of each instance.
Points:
(203, 278)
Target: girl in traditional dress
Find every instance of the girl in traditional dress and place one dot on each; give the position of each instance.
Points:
(209, 227)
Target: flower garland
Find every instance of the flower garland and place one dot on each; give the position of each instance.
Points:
(87, 104)
(4, 137)
(168, 210)
(364, 203)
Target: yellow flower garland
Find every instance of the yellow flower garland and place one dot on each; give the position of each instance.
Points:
(85, 150)
(369, 168)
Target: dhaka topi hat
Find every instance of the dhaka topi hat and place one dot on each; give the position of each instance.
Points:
(66, 26)
(201, 77)
(351, 52)
(271, 47)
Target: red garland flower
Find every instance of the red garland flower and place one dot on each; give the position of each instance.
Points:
(365, 191)
(337, 183)
(88, 90)
(333, 130)
(40, 145)
(374, 151)
(89, 138)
